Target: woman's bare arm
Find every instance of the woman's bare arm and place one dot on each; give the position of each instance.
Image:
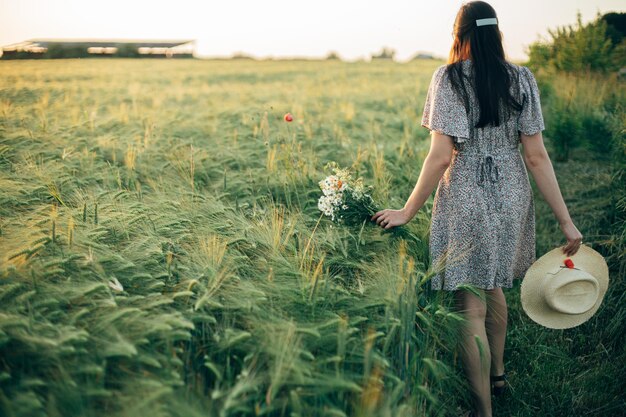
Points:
(435, 164)
(538, 163)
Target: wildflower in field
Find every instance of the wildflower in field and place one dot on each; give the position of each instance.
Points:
(343, 198)
(288, 117)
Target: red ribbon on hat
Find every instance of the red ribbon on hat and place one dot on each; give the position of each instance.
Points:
(569, 263)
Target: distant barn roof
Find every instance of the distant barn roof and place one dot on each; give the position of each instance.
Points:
(102, 43)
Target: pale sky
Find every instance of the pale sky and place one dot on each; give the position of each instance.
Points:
(263, 28)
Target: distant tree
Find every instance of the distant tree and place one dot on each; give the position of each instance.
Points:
(575, 48)
(57, 51)
(616, 26)
(422, 55)
(332, 55)
(386, 53)
(240, 55)
(616, 31)
(539, 54)
(127, 50)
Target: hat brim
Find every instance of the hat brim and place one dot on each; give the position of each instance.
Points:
(533, 301)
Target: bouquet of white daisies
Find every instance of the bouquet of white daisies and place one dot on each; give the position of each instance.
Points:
(345, 199)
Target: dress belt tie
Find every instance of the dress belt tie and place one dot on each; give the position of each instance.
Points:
(492, 170)
(487, 167)
(488, 170)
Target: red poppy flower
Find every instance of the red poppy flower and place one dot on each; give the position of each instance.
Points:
(569, 263)
(288, 117)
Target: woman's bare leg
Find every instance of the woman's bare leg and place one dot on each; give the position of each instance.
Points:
(495, 324)
(475, 352)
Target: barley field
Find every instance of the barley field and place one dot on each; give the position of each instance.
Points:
(162, 252)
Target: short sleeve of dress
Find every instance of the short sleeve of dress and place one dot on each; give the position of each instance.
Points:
(530, 119)
(444, 111)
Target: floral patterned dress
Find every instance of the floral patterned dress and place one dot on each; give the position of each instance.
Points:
(482, 229)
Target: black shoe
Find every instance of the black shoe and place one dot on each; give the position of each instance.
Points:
(499, 390)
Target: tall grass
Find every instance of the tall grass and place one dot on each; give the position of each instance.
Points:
(583, 111)
(161, 251)
(566, 372)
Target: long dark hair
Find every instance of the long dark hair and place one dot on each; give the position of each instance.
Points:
(483, 46)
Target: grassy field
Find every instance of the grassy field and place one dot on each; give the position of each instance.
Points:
(161, 250)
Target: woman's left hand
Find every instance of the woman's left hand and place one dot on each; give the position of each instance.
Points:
(389, 218)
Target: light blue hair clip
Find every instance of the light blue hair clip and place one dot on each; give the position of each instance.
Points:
(488, 21)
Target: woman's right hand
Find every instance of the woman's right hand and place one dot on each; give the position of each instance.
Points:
(573, 236)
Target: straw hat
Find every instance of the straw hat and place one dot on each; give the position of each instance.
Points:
(560, 292)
